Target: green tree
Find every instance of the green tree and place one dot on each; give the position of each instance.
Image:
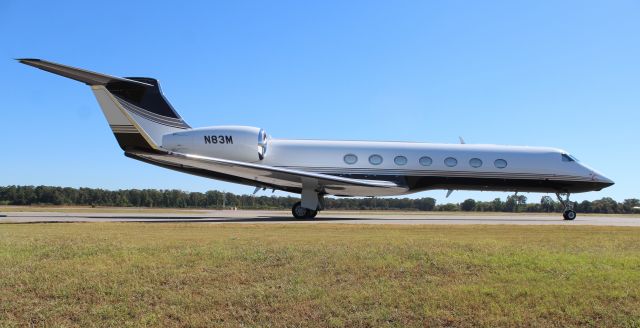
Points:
(547, 204)
(497, 205)
(629, 204)
(468, 205)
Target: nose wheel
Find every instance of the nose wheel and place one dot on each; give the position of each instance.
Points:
(302, 213)
(569, 214)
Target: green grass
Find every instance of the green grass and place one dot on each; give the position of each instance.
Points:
(134, 274)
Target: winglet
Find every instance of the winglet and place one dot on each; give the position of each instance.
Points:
(85, 76)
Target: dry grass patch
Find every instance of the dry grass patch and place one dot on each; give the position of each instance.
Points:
(136, 274)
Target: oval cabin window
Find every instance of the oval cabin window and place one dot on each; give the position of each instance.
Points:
(350, 159)
(450, 162)
(500, 163)
(375, 159)
(400, 160)
(425, 161)
(475, 162)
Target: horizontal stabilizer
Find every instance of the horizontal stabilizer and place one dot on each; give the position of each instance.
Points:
(88, 77)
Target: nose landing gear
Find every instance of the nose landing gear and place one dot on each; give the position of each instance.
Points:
(569, 214)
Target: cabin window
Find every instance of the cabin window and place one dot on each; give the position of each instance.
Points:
(400, 160)
(425, 161)
(475, 162)
(375, 159)
(450, 162)
(500, 163)
(350, 159)
(568, 158)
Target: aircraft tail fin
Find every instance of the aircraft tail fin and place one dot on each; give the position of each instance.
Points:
(135, 108)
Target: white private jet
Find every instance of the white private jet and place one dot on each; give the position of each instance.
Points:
(148, 129)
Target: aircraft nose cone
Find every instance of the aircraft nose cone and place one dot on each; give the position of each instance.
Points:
(603, 181)
(608, 182)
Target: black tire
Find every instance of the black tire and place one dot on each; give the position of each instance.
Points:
(569, 215)
(299, 212)
(302, 213)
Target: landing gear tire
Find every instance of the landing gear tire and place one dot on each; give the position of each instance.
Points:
(302, 213)
(311, 214)
(569, 215)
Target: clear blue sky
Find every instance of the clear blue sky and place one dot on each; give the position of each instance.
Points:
(543, 73)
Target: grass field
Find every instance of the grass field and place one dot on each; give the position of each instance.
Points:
(135, 274)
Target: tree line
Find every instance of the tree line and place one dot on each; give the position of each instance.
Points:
(48, 195)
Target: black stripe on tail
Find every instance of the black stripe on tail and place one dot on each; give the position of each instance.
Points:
(139, 96)
(148, 98)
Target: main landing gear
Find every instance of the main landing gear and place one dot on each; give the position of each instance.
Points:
(312, 201)
(569, 213)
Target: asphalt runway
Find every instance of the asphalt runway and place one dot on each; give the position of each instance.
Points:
(242, 216)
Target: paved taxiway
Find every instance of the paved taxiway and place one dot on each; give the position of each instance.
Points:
(242, 216)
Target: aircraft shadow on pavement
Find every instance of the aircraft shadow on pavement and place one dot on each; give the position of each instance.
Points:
(171, 219)
(329, 219)
(225, 219)
(259, 219)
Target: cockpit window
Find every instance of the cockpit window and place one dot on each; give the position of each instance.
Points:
(568, 158)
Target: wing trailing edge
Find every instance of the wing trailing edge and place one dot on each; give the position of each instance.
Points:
(269, 176)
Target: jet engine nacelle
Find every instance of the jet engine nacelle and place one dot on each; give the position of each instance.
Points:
(238, 143)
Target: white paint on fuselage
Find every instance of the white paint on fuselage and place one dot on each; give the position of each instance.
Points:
(328, 156)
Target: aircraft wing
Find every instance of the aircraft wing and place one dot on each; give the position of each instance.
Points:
(267, 176)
